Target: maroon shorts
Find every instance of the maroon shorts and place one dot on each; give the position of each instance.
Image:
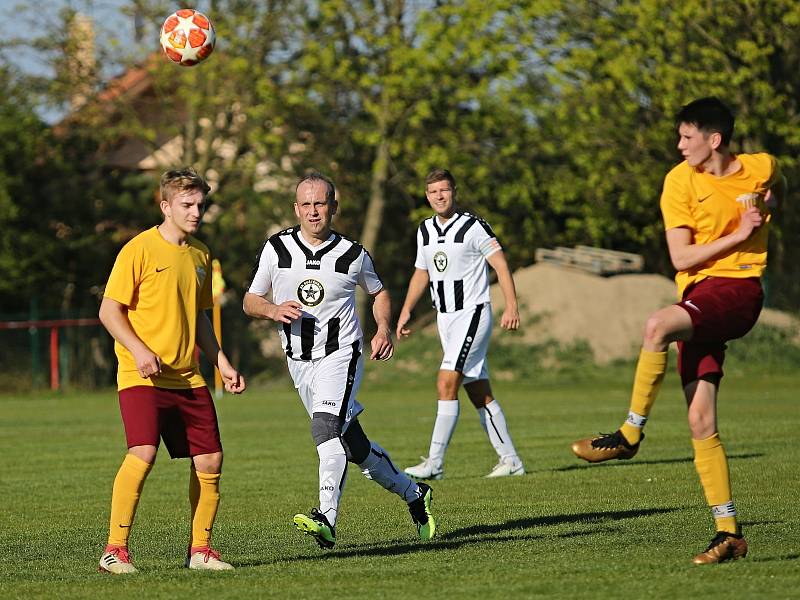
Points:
(185, 419)
(721, 309)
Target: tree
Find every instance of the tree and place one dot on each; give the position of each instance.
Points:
(619, 70)
(398, 88)
(25, 242)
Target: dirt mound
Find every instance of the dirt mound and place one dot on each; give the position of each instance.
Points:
(607, 312)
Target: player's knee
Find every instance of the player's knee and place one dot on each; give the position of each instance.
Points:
(325, 426)
(144, 453)
(208, 463)
(479, 391)
(655, 330)
(701, 427)
(447, 387)
(356, 444)
(702, 424)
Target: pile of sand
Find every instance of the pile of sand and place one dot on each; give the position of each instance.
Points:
(609, 313)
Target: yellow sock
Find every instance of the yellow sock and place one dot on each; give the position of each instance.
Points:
(204, 499)
(194, 491)
(649, 374)
(712, 467)
(125, 498)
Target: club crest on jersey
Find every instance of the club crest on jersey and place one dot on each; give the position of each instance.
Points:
(440, 261)
(310, 292)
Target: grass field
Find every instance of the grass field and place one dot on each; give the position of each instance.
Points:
(566, 529)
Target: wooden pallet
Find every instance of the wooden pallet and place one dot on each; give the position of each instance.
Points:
(594, 260)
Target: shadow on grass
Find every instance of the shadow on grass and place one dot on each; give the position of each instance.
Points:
(483, 533)
(757, 523)
(396, 547)
(633, 463)
(761, 559)
(614, 515)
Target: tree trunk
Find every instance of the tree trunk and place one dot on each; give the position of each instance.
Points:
(374, 217)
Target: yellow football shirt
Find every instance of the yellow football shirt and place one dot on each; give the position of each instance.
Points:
(164, 286)
(711, 207)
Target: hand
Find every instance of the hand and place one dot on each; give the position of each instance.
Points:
(751, 219)
(147, 363)
(510, 318)
(402, 320)
(232, 379)
(286, 312)
(382, 347)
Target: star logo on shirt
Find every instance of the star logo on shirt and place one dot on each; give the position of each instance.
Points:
(310, 292)
(440, 261)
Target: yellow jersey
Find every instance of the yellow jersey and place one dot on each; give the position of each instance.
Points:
(711, 207)
(164, 287)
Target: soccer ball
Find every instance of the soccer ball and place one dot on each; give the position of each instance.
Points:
(187, 37)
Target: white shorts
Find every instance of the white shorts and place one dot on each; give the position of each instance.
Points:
(330, 384)
(465, 338)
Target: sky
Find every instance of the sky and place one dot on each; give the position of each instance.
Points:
(17, 18)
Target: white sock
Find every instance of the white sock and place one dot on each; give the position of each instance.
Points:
(379, 468)
(332, 475)
(446, 419)
(493, 422)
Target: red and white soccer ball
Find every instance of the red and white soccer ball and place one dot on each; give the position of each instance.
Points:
(187, 37)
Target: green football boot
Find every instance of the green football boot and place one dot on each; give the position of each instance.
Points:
(420, 510)
(317, 526)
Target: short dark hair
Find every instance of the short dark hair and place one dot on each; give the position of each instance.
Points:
(709, 115)
(182, 180)
(440, 175)
(330, 195)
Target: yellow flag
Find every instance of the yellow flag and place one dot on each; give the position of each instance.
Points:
(217, 282)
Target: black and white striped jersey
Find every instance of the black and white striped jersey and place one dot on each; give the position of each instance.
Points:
(454, 254)
(323, 280)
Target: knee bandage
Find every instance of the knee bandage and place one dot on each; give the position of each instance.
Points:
(325, 427)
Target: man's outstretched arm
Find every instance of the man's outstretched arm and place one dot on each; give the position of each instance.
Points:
(416, 287)
(258, 307)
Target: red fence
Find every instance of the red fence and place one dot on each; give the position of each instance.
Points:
(54, 325)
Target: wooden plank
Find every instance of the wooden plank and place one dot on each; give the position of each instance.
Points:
(594, 260)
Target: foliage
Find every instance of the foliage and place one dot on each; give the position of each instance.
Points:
(765, 348)
(23, 137)
(396, 88)
(618, 71)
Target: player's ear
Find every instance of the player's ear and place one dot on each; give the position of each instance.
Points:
(296, 210)
(334, 207)
(716, 139)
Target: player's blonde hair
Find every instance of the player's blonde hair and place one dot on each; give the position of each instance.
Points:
(182, 180)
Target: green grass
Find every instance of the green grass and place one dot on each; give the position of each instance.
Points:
(567, 529)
